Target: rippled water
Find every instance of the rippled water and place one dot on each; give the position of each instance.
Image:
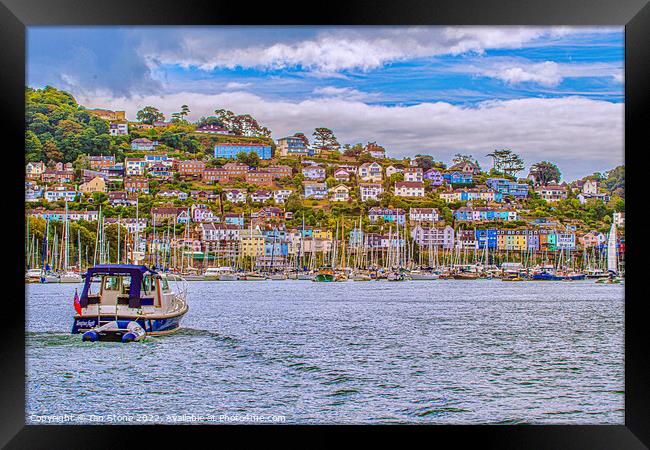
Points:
(424, 352)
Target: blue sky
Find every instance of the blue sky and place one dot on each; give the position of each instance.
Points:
(546, 93)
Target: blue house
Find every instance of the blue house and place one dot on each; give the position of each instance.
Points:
(508, 187)
(234, 219)
(231, 150)
(488, 236)
(458, 178)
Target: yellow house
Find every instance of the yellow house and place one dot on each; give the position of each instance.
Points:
(252, 243)
(97, 184)
(319, 233)
(512, 240)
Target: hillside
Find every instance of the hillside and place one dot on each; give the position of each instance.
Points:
(59, 129)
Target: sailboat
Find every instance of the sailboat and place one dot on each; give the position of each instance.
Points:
(67, 276)
(612, 261)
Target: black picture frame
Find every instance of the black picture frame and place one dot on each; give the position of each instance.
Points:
(16, 15)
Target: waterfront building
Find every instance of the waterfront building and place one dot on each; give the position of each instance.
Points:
(508, 187)
(396, 215)
(370, 172)
(291, 146)
(157, 158)
(212, 128)
(235, 195)
(376, 151)
(134, 166)
(370, 191)
(142, 144)
(315, 190)
(259, 177)
(409, 189)
(431, 236)
(58, 215)
(252, 243)
(122, 198)
(413, 174)
(230, 150)
(118, 129)
(233, 219)
(60, 193)
(100, 162)
(434, 176)
(341, 175)
(315, 173)
(340, 193)
(97, 184)
(552, 193)
(132, 224)
(423, 215)
(466, 167)
(390, 170)
(279, 171)
(261, 196)
(281, 195)
(619, 219)
(191, 169)
(456, 177)
(486, 237)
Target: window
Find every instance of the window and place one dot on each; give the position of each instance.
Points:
(112, 283)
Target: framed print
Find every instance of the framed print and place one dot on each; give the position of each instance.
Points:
(408, 214)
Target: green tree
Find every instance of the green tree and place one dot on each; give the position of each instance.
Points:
(324, 139)
(426, 162)
(545, 172)
(149, 115)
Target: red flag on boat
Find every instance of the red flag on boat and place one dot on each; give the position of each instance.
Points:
(77, 303)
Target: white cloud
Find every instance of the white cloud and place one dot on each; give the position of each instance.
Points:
(335, 49)
(548, 73)
(233, 85)
(580, 134)
(342, 93)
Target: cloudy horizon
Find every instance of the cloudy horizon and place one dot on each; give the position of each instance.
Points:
(547, 93)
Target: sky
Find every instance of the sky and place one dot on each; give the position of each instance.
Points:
(547, 93)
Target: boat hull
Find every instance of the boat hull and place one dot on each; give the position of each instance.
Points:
(152, 327)
(324, 278)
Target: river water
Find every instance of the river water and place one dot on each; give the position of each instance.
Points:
(443, 351)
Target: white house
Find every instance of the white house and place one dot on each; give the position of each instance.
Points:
(413, 174)
(281, 195)
(370, 172)
(409, 189)
(423, 215)
(390, 170)
(235, 196)
(370, 191)
(314, 173)
(261, 196)
(118, 129)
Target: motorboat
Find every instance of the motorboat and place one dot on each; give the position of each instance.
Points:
(417, 275)
(278, 276)
(33, 276)
(220, 274)
(252, 276)
(325, 274)
(70, 277)
(126, 302)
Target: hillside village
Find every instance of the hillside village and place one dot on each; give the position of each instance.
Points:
(222, 186)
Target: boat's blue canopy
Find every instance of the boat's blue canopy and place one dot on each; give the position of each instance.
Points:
(136, 272)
